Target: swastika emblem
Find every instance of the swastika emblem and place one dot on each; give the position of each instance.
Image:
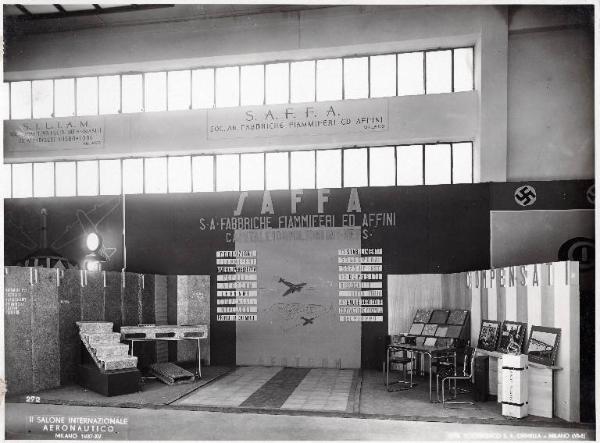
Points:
(591, 194)
(525, 195)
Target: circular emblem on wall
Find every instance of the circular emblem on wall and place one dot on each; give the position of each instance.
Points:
(590, 194)
(579, 249)
(525, 195)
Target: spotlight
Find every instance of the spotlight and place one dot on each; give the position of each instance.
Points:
(93, 241)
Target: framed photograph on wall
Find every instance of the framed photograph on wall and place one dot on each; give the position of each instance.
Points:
(511, 330)
(488, 335)
(542, 345)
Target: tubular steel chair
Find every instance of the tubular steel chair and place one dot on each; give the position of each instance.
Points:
(403, 358)
(466, 373)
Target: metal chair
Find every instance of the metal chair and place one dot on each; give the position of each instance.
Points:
(466, 373)
(406, 358)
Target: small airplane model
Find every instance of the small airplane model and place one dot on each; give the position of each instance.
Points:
(292, 287)
(307, 321)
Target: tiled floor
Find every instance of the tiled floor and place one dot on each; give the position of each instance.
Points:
(233, 389)
(322, 389)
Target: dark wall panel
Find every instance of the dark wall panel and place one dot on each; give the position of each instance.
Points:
(131, 299)
(69, 298)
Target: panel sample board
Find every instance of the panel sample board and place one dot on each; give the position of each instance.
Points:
(193, 308)
(131, 300)
(69, 312)
(112, 300)
(92, 296)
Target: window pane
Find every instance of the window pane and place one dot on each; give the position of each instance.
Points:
(66, 179)
(438, 71)
(437, 164)
(382, 166)
(303, 81)
(110, 177)
(203, 88)
(303, 169)
(277, 170)
(329, 79)
(87, 178)
(155, 91)
(329, 168)
(132, 93)
(155, 175)
(356, 77)
(179, 84)
(22, 184)
(253, 172)
(277, 83)
(202, 173)
(355, 167)
(133, 176)
(20, 100)
(227, 87)
(5, 101)
(410, 74)
(180, 174)
(109, 94)
(253, 85)
(42, 92)
(462, 163)
(64, 97)
(43, 179)
(383, 75)
(463, 69)
(87, 96)
(7, 180)
(409, 165)
(228, 170)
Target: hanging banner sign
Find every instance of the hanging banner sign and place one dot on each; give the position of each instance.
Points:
(53, 134)
(323, 118)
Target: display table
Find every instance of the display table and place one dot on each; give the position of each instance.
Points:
(540, 378)
(135, 334)
(427, 351)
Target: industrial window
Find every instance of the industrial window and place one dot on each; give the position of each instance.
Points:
(110, 177)
(65, 176)
(438, 164)
(252, 82)
(438, 68)
(355, 167)
(179, 85)
(228, 172)
(42, 93)
(329, 168)
(132, 96)
(155, 175)
(87, 177)
(20, 100)
(22, 180)
(252, 172)
(356, 77)
(43, 179)
(155, 91)
(463, 69)
(410, 74)
(133, 176)
(7, 180)
(203, 173)
(64, 97)
(383, 75)
(203, 88)
(277, 83)
(409, 165)
(302, 81)
(382, 171)
(302, 173)
(227, 87)
(329, 79)
(87, 96)
(277, 172)
(462, 163)
(180, 174)
(109, 94)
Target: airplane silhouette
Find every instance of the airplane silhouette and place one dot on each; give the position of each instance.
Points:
(307, 320)
(292, 287)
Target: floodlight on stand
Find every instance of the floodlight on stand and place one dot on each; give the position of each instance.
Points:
(93, 241)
